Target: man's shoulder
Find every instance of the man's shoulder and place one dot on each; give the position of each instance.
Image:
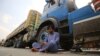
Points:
(56, 33)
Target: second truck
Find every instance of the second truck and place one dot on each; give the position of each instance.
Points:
(23, 35)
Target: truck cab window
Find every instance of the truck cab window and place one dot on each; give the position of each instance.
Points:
(55, 2)
(52, 2)
(71, 5)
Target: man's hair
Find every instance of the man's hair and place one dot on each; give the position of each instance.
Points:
(51, 26)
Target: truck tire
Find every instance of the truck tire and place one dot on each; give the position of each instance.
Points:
(9, 43)
(41, 33)
(15, 44)
(19, 44)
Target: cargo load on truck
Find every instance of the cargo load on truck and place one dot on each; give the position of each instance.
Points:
(22, 35)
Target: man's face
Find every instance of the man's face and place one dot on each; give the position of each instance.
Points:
(50, 30)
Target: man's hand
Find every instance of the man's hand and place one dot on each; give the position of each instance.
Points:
(44, 43)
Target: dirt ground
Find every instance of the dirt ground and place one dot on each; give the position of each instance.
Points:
(27, 52)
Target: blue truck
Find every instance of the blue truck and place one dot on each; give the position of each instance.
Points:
(74, 25)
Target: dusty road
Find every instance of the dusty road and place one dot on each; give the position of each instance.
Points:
(26, 52)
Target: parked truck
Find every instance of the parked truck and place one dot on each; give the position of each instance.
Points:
(22, 36)
(75, 25)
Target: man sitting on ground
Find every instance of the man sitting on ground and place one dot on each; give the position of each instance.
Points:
(51, 42)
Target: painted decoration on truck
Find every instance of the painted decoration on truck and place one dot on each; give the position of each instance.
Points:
(96, 4)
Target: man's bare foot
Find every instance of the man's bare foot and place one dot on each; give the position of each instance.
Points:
(34, 50)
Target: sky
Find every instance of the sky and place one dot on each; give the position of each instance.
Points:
(14, 12)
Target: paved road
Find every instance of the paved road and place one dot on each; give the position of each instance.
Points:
(27, 52)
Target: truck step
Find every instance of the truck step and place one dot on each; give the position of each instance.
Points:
(90, 49)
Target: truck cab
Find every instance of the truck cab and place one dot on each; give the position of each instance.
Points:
(63, 14)
(56, 13)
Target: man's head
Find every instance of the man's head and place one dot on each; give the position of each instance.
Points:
(50, 29)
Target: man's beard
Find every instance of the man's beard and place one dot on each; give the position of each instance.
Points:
(51, 32)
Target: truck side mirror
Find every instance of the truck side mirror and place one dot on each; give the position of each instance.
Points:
(48, 1)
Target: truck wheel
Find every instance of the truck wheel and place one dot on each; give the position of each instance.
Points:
(14, 45)
(18, 44)
(42, 34)
(9, 43)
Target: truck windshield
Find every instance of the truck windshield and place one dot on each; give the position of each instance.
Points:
(82, 3)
